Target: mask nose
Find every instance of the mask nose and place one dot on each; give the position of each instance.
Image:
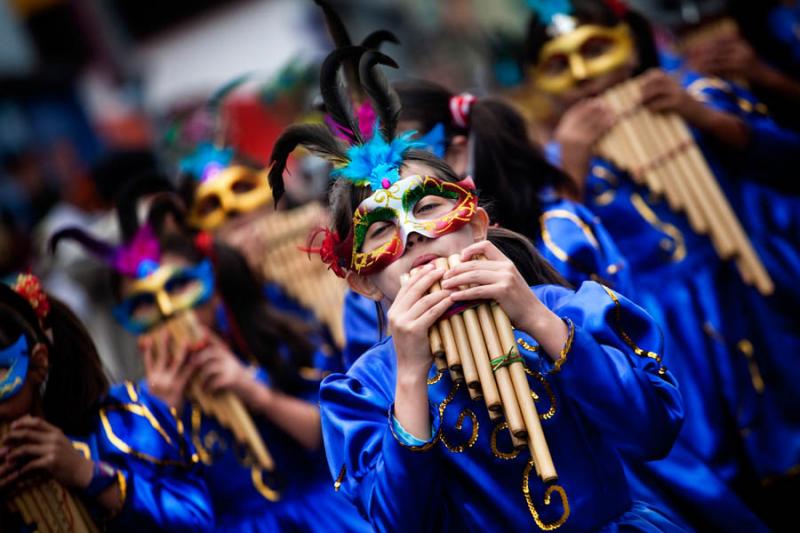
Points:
(577, 67)
(164, 304)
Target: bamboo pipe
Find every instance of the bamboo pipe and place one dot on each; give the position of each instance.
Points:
(465, 354)
(536, 439)
(483, 362)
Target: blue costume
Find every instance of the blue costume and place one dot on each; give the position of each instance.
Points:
(160, 484)
(772, 221)
(297, 496)
(608, 398)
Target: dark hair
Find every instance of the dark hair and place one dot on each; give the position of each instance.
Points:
(508, 168)
(76, 380)
(600, 13)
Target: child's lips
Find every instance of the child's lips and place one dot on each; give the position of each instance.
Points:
(423, 260)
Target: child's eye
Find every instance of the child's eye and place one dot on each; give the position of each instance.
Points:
(378, 229)
(555, 65)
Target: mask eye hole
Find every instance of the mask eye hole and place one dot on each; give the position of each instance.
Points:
(179, 284)
(208, 204)
(596, 47)
(432, 206)
(243, 185)
(143, 307)
(555, 65)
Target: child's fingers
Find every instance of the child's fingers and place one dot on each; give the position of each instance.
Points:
(472, 277)
(416, 287)
(469, 266)
(434, 313)
(485, 248)
(427, 302)
(479, 292)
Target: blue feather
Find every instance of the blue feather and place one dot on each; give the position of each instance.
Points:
(547, 9)
(377, 160)
(206, 160)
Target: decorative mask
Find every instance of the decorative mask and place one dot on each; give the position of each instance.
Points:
(587, 52)
(390, 215)
(15, 359)
(224, 189)
(164, 292)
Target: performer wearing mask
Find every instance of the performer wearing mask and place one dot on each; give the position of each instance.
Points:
(405, 443)
(577, 51)
(163, 280)
(121, 464)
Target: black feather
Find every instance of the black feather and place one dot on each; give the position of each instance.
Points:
(341, 39)
(315, 137)
(93, 245)
(164, 205)
(384, 98)
(128, 198)
(374, 40)
(335, 95)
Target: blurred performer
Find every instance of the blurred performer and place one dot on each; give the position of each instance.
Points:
(165, 281)
(576, 53)
(121, 460)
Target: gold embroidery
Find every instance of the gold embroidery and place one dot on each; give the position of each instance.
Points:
(10, 386)
(526, 346)
(628, 340)
(572, 217)
(493, 443)
(746, 348)
(123, 488)
(202, 452)
(526, 491)
(132, 391)
(261, 487)
(562, 356)
(459, 423)
(141, 410)
(338, 483)
(551, 412)
(122, 446)
(679, 252)
(435, 379)
(83, 448)
(607, 196)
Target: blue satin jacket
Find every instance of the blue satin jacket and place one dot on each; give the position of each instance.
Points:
(162, 488)
(609, 398)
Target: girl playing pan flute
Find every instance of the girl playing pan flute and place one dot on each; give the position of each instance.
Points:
(405, 443)
(45, 348)
(162, 283)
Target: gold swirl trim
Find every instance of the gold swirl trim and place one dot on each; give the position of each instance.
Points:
(625, 337)
(459, 423)
(526, 491)
(507, 456)
(565, 215)
(679, 253)
(261, 487)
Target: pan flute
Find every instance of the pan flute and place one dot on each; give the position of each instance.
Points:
(226, 407)
(47, 507)
(478, 348)
(658, 151)
(306, 279)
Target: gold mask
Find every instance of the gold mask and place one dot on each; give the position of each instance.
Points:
(585, 53)
(235, 189)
